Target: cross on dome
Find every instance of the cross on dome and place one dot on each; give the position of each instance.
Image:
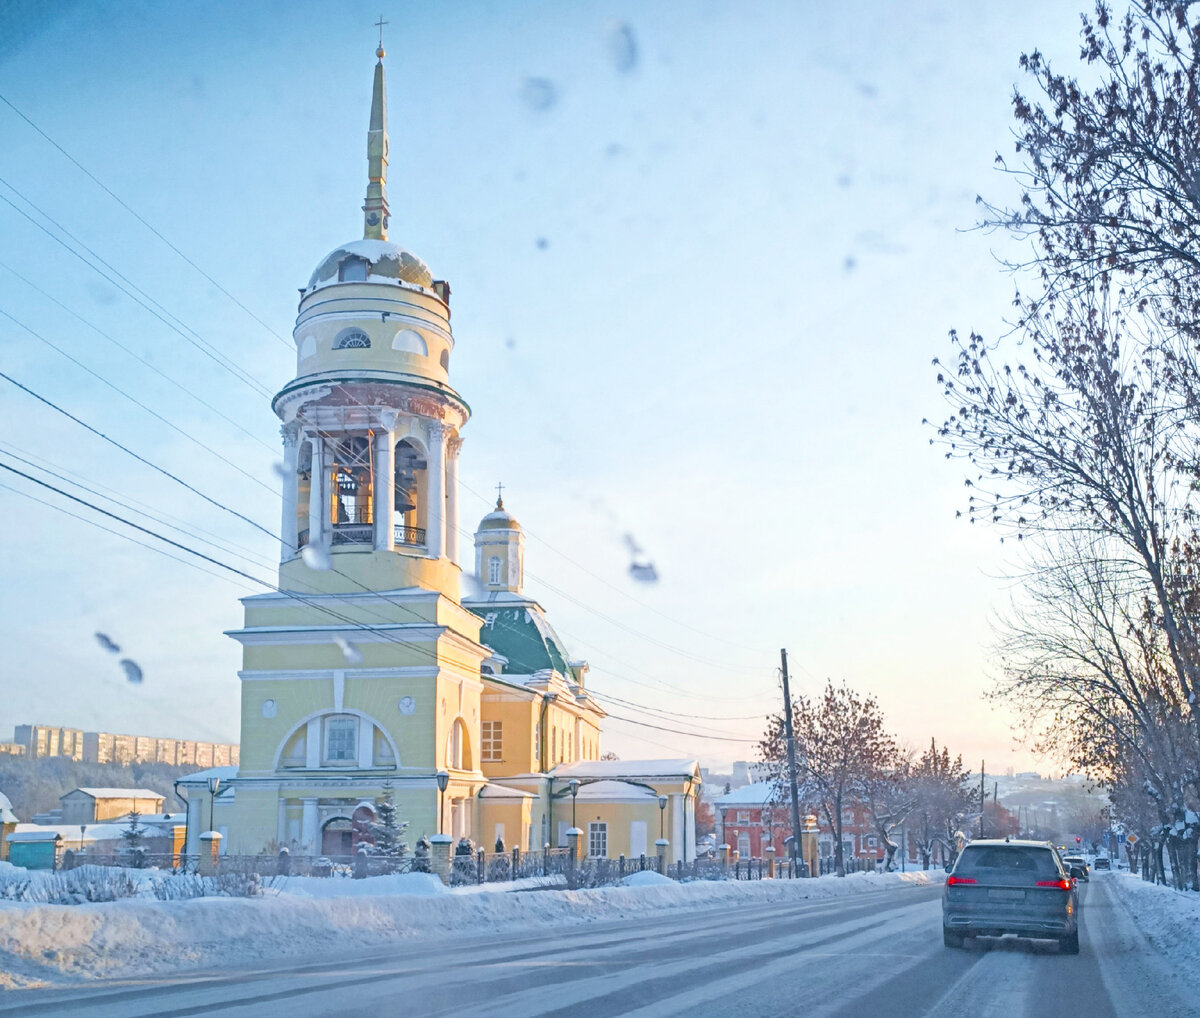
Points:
(499, 496)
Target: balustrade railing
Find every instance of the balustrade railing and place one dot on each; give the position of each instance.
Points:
(411, 536)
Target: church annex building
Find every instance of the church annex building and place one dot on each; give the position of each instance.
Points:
(367, 665)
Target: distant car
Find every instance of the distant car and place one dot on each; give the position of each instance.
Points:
(1010, 887)
(1103, 863)
(1077, 866)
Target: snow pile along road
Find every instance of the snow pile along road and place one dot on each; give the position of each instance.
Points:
(1170, 919)
(59, 944)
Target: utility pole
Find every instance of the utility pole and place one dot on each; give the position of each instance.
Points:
(982, 796)
(791, 752)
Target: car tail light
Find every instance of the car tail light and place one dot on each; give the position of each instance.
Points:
(1062, 885)
(951, 881)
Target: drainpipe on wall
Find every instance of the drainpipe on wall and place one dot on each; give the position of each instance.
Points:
(547, 699)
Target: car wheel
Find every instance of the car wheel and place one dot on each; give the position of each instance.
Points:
(951, 939)
(1070, 944)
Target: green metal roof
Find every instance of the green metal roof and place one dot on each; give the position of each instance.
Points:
(521, 633)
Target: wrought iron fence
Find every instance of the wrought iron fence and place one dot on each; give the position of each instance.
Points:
(414, 536)
(478, 867)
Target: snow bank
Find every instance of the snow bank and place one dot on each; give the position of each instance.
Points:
(1170, 919)
(305, 917)
(646, 878)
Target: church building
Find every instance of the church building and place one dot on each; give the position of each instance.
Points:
(367, 665)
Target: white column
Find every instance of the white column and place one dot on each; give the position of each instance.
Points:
(453, 445)
(281, 836)
(316, 494)
(676, 827)
(288, 528)
(309, 833)
(690, 826)
(312, 744)
(366, 744)
(385, 496)
(435, 516)
(194, 820)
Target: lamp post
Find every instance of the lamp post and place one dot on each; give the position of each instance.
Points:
(662, 812)
(213, 785)
(82, 832)
(573, 784)
(443, 779)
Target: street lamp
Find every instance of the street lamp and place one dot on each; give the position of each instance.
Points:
(82, 832)
(662, 812)
(573, 784)
(213, 785)
(443, 779)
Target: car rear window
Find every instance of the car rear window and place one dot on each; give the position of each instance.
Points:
(1013, 859)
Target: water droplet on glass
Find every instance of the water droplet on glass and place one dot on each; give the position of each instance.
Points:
(280, 470)
(106, 642)
(132, 671)
(539, 94)
(316, 557)
(350, 652)
(622, 47)
(643, 572)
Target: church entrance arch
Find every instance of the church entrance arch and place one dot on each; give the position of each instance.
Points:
(337, 837)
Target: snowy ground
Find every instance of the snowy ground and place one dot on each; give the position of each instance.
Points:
(42, 945)
(1169, 919)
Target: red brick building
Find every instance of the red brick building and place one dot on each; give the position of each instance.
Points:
(754, 816)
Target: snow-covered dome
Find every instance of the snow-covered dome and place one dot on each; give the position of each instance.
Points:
(383, 259)
(499, 519)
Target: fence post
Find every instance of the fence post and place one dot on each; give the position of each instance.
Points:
(770, 850)
(641, 862)
(621, 866)
(724, 850)
(516, 862)
(480, 868)
(210, 847)
(439, 856)
(546, 859)
(284, 866)
(360, 862)
(661, 844)
(573, 858)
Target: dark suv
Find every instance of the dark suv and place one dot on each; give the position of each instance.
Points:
(1019, 887)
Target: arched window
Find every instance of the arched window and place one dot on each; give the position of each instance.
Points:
(458, 748)
(445, 360)
(353, 270)
(410, 480)
(494, 569)
(351, 339)
(410, 341)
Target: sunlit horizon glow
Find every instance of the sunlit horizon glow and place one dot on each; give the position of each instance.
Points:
(697, 291)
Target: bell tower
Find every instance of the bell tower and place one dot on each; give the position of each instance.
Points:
(500, 551)
(371, 422)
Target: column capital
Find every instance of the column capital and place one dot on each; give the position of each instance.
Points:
(290, 433)
(453, 446)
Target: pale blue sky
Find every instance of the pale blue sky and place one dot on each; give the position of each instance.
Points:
(696, 301)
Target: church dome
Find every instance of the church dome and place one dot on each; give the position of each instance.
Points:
(384, 261)
(499, 519)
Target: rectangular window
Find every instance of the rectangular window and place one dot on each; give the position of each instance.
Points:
(341, 740)
(598, 840)
(743, 816)
(491, 733)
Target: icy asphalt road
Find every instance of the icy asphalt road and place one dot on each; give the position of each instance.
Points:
(877, 953)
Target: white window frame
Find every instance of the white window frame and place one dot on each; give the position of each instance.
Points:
(339, 720)
(491, 739)
(598, 840)
(494, 570)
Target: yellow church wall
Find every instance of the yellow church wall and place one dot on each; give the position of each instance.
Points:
(355, 569)
(515, 815)
(294, 700)
(252, 820)
(366, 610)
(517, 714)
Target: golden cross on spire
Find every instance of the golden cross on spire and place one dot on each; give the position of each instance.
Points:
(499, 496)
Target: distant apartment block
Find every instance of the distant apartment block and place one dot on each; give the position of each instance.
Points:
(107, 747)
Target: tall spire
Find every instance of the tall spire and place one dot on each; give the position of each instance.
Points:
(375, 210)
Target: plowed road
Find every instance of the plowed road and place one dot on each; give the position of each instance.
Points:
(873, 954)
